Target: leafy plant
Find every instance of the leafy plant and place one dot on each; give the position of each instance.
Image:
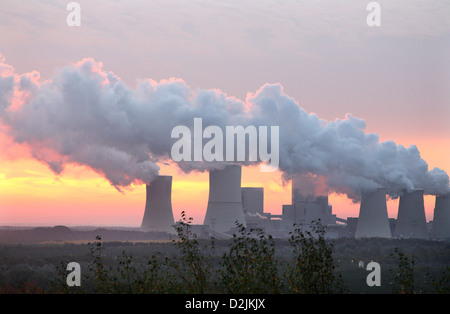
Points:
(103, 283)
(194, 263)
(250, 266)
(441, 285)
(403, 282)
(312, 269)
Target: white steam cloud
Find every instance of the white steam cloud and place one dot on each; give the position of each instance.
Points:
(88, 116)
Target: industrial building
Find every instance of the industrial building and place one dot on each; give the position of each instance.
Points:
(411, 221)
(225, 200)
(306, 208)
(253, 200)
(441, 219)
(373, 218)
(307, 211)
(229, 203)
(158, 215)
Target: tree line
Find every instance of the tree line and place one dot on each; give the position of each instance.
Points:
(247, 264)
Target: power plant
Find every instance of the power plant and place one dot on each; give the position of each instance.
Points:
(229, 203)
(373, 218)
(411, 221)
(253, 200)
(306, 208)
(441, 220)
(158, 215)
(225, 200)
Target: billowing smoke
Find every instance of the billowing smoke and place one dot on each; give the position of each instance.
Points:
(88, 116)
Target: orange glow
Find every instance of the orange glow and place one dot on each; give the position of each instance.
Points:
(30, 194)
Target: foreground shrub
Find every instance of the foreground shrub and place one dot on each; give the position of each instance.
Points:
(249, 266)
(312, 269)
(194, 264)
(403, 282)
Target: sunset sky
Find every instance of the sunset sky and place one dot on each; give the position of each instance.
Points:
(395, 77)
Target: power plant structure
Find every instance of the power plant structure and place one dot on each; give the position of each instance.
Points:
(158, 215)
(441, 219)
(253, 200)
(306, 208)
(225, 200)
(253, 205)
(229, 203)
(373, 218)
(308, 211)
(411, 221)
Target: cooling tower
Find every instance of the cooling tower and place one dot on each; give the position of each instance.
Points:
(441, 219)
(253, 200)
(373, 218)
(224, 203)
(411, 222)
(158, 214)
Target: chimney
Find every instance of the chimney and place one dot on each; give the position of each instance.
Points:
(373, 218)
(411, 222)
(224, 204)
(158, 214)
(441, 219)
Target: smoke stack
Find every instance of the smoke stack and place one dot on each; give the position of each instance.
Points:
(373, 219)
(224, 204)
(411, 221)
(158, 214)
(441, 219)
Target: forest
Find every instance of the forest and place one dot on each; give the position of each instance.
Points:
(252, 262)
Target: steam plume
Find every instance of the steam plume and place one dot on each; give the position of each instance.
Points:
(89, 116)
